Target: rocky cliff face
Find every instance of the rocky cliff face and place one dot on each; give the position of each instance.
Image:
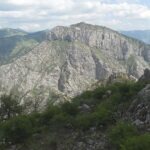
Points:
(139, 110)
(72, 59)
(109, 43)
(107, 40)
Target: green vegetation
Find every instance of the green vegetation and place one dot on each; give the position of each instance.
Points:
(121, 132)
(9, 107)
(124, 136)
(23, 47)
(102, 108)
(13, 47)
(16, 130)
(141, 142)
(16, 43)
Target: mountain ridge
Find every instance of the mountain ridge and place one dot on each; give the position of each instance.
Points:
(68, 60)
(143, 35)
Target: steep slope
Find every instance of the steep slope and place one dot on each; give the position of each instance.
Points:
(73, 58)
(16, 44)
(113, 117)
(128, 52)
(143, 35)
(7, 32)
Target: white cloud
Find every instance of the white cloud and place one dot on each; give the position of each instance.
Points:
(30, 27)
(57, 4)
(21, 2)
(41, 14)
(145, 14)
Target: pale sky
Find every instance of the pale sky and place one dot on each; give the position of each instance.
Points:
(34, 15)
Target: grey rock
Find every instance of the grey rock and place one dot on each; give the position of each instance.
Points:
(108, 92)
(139, 111)
(70, 60)
(138, 122)
(90, 142)
(92, 129)
(145, 76)
(13, 147)
(85, 108)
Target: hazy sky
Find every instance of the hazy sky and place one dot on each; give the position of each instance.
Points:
(32, 15)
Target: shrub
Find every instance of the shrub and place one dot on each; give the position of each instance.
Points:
(48, 114)
(70, 108)
(99, 92)
(9, 107)
(35, 119)
(115, 100)
(61, 120)
(90, 97)
(141, 142)
(86, 95)
(122, 92)
(52, 143)
(16, 130)
(84, 121)
(104, 114)
(119, 133)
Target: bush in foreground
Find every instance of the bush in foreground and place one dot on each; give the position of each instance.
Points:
(9, 107)
(16, 130)
(120, 133)
(141, 142)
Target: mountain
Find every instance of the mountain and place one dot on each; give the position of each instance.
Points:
(68, 60)
(15, 43)
(7, 32)
(143, 35)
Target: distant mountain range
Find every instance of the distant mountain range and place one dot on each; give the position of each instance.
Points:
(15, 43)
(7, 32)
(143, 35)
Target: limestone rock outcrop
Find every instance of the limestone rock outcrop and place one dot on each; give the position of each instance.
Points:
(139, 111)
(71, 59)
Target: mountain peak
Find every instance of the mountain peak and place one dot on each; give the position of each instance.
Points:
(84, 25)
(81, 24)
